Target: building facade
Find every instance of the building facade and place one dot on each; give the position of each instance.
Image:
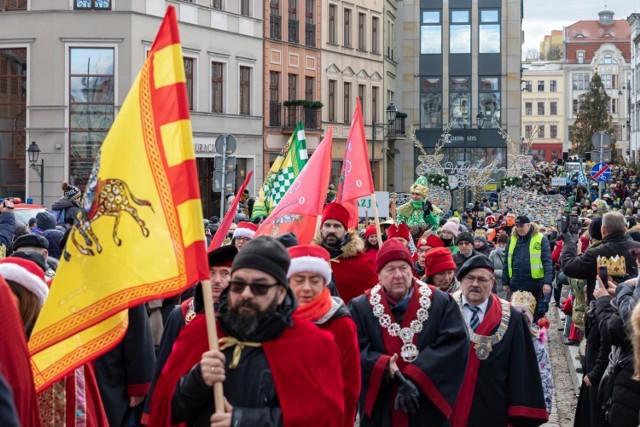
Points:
(66, 67)
(352, 66)
(551, 46)
(633, 88)
(543, 109)
(598, 46)
(461, 67)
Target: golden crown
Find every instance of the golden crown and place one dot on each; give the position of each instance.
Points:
(524, 299)
(616, 265)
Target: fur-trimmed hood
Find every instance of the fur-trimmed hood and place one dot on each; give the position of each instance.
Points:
(353, 246)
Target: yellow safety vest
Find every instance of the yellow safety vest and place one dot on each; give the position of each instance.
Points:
(535, 255)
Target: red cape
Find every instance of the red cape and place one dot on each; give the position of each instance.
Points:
(353, 276)
(304, 362)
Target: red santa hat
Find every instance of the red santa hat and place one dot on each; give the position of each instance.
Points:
(337, 212)
(310, 259)
(392, 250)
(245, 229)
(432, 241)
(27, 274)
(398, 230)
(369, 231)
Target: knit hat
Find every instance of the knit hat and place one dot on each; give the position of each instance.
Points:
(31, 240)
(369, 231)
(222, 256)
(392, 250)
(265, 254)
(310, 259)
(245, 229)
(71, 192)
(288, 239)
(451, 227)
(595, 228)
(432, 241)
(45, 221)
(337, 212)
(464, 237)
(438, 260)
(399, 230)
(27, 274)
(476, 261)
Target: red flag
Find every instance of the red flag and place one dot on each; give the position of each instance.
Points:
(301, 205)
(355, 177)
(223, 229)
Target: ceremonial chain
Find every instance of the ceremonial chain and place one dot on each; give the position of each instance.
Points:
(409, 351)
(483, 343)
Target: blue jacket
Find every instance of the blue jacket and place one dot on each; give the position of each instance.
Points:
(7, 230)
(521, 280)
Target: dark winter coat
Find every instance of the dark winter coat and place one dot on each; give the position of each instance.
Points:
(521, 268)
(460, 259)
(7, 229)
(70, 211)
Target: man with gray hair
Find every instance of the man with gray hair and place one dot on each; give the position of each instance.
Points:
(614, 253)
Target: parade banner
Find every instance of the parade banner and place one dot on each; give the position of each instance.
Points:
(223, 229)
(283, 172)
(355, 177)
(300, 207)
(139, 235)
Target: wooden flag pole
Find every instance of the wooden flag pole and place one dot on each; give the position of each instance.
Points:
(377, 218)
(318, 224)
(212, 335)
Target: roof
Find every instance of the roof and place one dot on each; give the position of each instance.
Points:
(590, 30)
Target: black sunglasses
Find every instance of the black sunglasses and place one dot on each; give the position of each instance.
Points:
(257, 289)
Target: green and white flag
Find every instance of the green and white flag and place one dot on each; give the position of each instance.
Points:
(282, 174)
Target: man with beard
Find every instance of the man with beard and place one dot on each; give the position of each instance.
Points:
(465, 249)
(276, 370)
(353, 271)
(502, 384)
(413, 346)
(441, 270)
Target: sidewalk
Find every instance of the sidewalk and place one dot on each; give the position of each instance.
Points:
(573, 360)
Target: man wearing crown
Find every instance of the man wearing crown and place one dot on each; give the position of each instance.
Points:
(502, 384)
(413, 346)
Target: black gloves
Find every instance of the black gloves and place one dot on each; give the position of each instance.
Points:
(407, 398)
(427, 208)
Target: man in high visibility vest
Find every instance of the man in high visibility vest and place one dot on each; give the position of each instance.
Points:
(528, 266)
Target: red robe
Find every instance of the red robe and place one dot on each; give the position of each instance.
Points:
(304, 362)
(353, 276)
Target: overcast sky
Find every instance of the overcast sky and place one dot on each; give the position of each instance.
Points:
(542, 16)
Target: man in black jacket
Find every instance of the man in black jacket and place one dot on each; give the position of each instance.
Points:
(614, 243)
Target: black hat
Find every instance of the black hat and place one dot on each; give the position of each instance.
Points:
(476, 261)
(222, 256)
(595, 228)
(31, 240)
(288, 239)
(34, 256)
(464, 237)
(266, 254)
(522, 219)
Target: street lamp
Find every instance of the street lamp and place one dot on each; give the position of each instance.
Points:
(480, 120)
(391, 111)
(34, 152)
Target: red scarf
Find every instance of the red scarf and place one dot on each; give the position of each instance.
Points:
(317, 308)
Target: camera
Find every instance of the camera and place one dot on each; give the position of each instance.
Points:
(569, 223)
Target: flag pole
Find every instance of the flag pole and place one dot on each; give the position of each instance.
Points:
(375, 214)
(318, 224)
(212, 335)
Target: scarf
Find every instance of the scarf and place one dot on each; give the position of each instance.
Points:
(317, 308)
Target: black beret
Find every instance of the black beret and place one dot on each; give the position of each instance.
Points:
(476, 261)
(222, 256)
(288, 239)
(31, 240)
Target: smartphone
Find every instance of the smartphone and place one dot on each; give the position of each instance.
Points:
(602, 272)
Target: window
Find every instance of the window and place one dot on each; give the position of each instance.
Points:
(580, 81)
(309, 24)
(332, 24)
(553, 108)
(292, 87)
(489, 31)
(347, 28)
(217, 4)
(541, 131)
(293, 21)
(575, 106)
(431, 32)
(89, 4)
(460, 102)
(460, 32)
(607, 81)
(217, 87)
(346, 105)
(527, 131)
(430, 102)
(375, 46)
(613, 109)
(361, 35)
(332, 100)
(541, 108)
(528, 108)
(374, 104)
(540, 85)
(274, 99)
(553, 86)
(91, 107)
(275, 21)
(553, 131)
(188, 74)
(13, 98)
(244, 7)
(489, 101)
(361, 90)
(527, 85)
(8, 5)
(245, 90)
(309, 88)
(580, 56)
(390, 38)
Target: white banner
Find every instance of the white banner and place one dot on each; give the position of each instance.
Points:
(365, 205)
(558, 181)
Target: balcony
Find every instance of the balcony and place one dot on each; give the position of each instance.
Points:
(275, 114)
(397, 127)
(306, 111)
(310, 35)
(275, 27)
(294, 24)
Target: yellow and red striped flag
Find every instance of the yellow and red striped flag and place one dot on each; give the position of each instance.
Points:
(140, 236)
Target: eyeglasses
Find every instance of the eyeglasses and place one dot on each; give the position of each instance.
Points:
(470, 280)
(257, 289)
(243, 239)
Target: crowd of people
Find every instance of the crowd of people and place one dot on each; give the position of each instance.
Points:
(440, 320)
